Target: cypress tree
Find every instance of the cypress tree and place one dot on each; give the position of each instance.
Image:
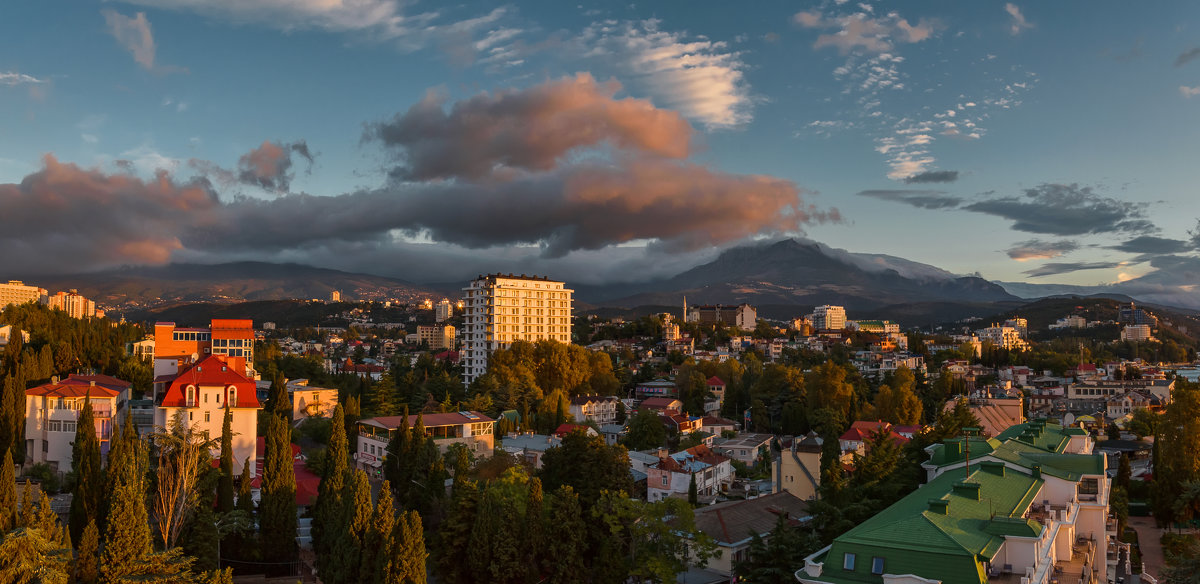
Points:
(693, 497)
(348, 548)
(397, 463)
(8, 495)
(566, 538)
(451, 561)
(328, 509)
(127, 537)
(225, 482)
(27, 505)
(534, 524)
(47, 520)
(278, 402)
(87, 567)
(245, 500)
(277, 515)
(408, 550)
(376, 561)
(89, 479)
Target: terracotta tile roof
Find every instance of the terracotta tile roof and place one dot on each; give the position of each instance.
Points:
(861, 432)
(81, 386)
(209, 371)
(714, 380)
(429, 420)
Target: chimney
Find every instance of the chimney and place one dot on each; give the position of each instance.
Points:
(992, 467)
(953, 447)
(967, 490)
(1037, 471)
(939, 506)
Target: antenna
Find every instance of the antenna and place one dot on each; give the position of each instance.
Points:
(967, 432)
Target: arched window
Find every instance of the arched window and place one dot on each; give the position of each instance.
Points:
(231, 395)
(191, 396)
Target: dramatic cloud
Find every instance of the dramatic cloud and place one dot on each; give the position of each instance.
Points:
(933, 176)
(923, 199)
(1148, 244)
(1054, 269)
(1036, 249)
(270, 166)
(863, 31)
(1018, 23)
(529, 130)
(699, 78)
(66, 219)
(133, 33)
(1057, 209)
(12, 78)
(1187, 56)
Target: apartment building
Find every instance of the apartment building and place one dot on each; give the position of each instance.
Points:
(443, 310)
(1003, 336)
(175, 347)
(74, 305)
(200, 392)
(52, 411)
(1136, 332)
(828, 318)
(501, 309)
(437, 337)
(16, 292)
(474, 429)
(597, 408)
(742, 316)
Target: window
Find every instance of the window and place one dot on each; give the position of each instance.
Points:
(232, 396)
(877, 565)
(665, 480)
(848, 562)
(54, 425)
(206, 416)
(68, 426)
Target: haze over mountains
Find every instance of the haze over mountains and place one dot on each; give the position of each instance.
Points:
(779, 274)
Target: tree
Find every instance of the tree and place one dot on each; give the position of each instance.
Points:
(8, 495)
(776, 559)
(87, 565)
(652, 541)
(183, 454)
(127, 538)
(89, 478)
(377, 563)
(645, 431)
(408, 550)
(1142, 423)
(587, 465)
(380, 399)
(451, 561)
(896, 401)
(1124, 472)
(27, 556)
(566, 538)
(693, 497)
(277, 516)
(1177, 444)
(278, 402)
(327, 512)
(245, 500)
(349, 547)
(225, 483)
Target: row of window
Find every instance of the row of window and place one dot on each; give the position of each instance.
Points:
(193, 394)
(876, 563)
(60, 426)
(190, 336)
(221, 343)
(233, 352)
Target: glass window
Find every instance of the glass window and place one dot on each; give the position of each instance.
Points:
(877, 565)
(848, 562)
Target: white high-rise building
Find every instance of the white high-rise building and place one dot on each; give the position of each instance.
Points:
(16, 292)
(443, 310)
(828, 318)
(500, 309)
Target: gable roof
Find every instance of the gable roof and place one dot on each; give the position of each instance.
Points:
(81, 386)
(714, 380)
(428, 420)
(209, 371)
(658, 403)
(733, 522)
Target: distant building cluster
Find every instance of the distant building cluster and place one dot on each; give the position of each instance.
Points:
(71, 302)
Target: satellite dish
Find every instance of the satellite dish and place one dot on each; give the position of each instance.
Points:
(195, 357)
(1068, 419)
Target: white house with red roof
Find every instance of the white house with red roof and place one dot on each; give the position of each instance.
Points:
(52, 410)
(201, 391)
(672, 475)
(474, 429)
(855, 439)
(717, 388)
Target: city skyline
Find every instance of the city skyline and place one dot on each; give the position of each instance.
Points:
(1025, 142)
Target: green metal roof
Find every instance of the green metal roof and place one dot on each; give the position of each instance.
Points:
(913, 539)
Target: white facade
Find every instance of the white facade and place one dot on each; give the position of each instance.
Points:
(16, 292)
(443, 310)
(502, 309)
(1005, 337)
(1136, 332)
(829, 318)
(50, 424)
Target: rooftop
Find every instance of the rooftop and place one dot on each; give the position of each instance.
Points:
(733, 522)
(429, 420)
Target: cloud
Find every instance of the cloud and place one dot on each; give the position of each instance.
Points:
(924, 199)
(1058, 209)
(1149, 244)
(270, 165)
(861, 31)
(622, 186)
(700, 78)
(1054, 269)
(133, 33)
(1187, 56)
(1018, 23)
(529, 130)
(67, 218)
(1036, 249)
(1189, 92)
(12, 78)
(933, 176)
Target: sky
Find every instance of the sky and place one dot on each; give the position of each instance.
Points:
(1051, 143)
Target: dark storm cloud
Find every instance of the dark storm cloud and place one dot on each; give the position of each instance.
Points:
(270, 165)
(1149, 244)
(924, 199)
(1058, 209)
(583, 206)
(67, 219)
(1055, 268)
(1036, 249)
(1187, 56)
(933, 176)
(530, 130)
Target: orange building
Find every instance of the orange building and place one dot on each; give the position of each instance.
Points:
(177, 347)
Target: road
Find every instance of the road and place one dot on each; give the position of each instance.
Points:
(1150, 544)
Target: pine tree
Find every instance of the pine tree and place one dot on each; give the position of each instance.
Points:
(88, 498)
(566, 539)
(28, 507)
(8, 495)
(127, 537)
(408, 550)
(225, 483)
(327, 512)
(87, 567)
(277, 511)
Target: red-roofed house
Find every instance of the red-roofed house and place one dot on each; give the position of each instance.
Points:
(855, 439)
(177, 347)
(52, 410)
(201, 392)
(672, 475)
(661, 404)
(565, 429)
(474, 429)
(717, 388)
